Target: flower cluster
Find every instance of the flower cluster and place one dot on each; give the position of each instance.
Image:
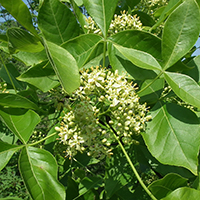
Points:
(104, 103)
(121, 22)
(151, 6)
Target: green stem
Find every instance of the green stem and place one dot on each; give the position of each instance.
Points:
(150, 83)
(8, 74)
(131, 164)
(104, 53)
(43, 139)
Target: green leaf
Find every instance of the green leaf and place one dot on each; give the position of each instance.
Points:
(82, 47)
(170, 182)
(16, 101)
(89, 183)
(23, 41)
(6, 152)
(122, 64)
(13, 72)
(31, 59)
(64, 66)
(173, 137)
(146, 19)
(79, 15)
(181, 32)
(139, 40)
(164, 12)
(39, 171)
(6, 135)
(194, 71)
(57, 22)
(41, 76)
(102, 12)
(20, 122)
(183, 193)
(19, 10)
(139, 58)
(152, 93)
(184, 87)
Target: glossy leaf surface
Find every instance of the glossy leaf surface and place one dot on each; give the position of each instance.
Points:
(102, 12)
(39, 171)
(173, 137)
(139, 40)
(57, 22)
(139, 58)
(6, 152)
(19, 10)
(181, 32)
(20, 122)
(160, 188)
(183, 194)
(64, 66)
(82, 47)
(184, 87)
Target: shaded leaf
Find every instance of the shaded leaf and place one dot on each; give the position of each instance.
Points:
(19, 10)
(64, 66)
(13, 73)
(82, 47)
(6, 152)
(20, 122)
(102, 12)
(16, 101)
(183, 193)
(39, 171)
(173, 137)
(181, 32)
(184, 87)
(139, 58)
(146, 19)
(153, 92)
(41, 76)
(57, 22)
(23, 41)
(89, 183)
(160, 188)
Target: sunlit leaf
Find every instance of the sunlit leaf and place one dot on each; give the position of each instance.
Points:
(183, 193)
(64, 66)
(181, 32)
(102, 12)
(57, 22)
(20, 122)
(82, 47)
(139, 58)
(23, 41)
(41, 76)
(160, 188)
(19, 10)
(39, 171)
(173, 136)
(184, 87)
